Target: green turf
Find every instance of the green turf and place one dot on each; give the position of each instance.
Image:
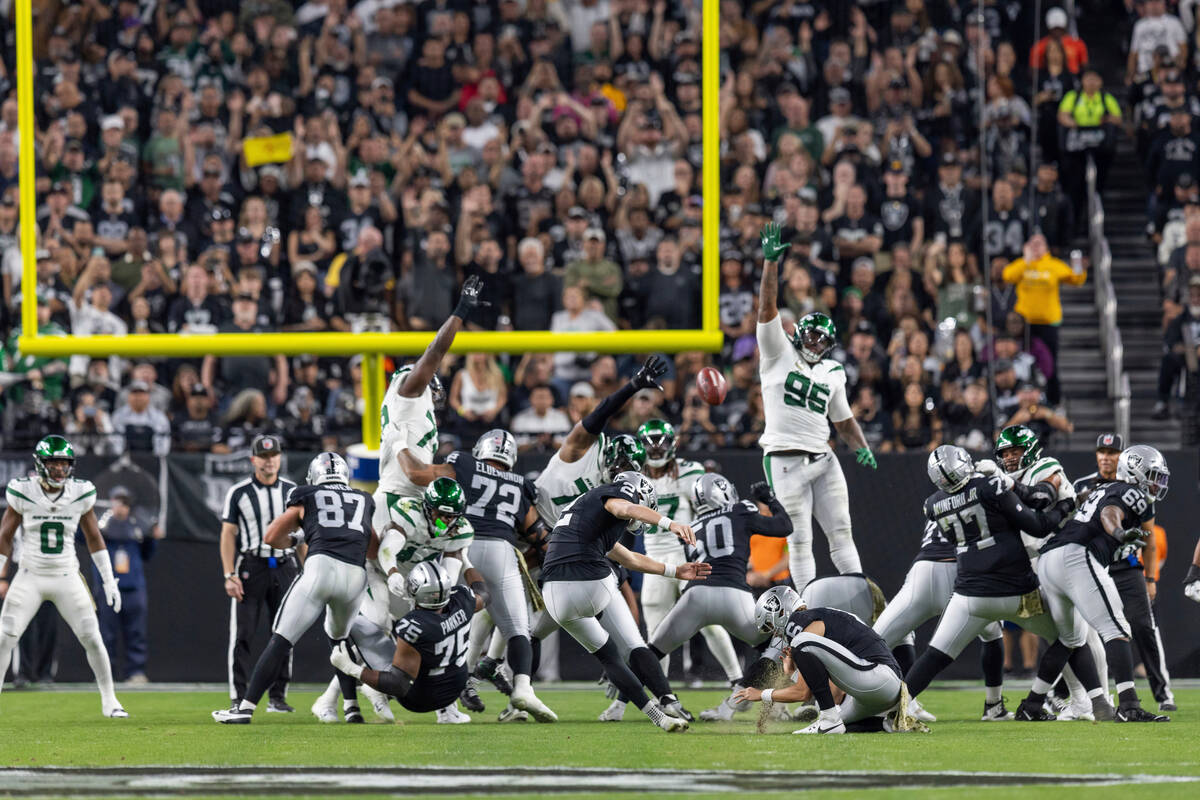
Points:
(66, 729)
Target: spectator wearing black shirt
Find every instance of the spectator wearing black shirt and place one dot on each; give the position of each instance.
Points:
(305, 307)
(899, 212)
(1174, 152)
(195, 310)
(673, 289)
(876, 424)
(535, 291)
(1053, 213)
(433, 283)
(196, 430)
(950, 205)
(432, 87)
(856, 233)
(497, 284)
(1006, 228)
(238, 373)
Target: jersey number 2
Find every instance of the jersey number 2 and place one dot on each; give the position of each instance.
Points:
(798, 390)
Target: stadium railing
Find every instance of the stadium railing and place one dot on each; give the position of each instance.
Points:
(1106, 307)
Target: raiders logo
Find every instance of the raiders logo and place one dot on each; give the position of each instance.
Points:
(894, 214)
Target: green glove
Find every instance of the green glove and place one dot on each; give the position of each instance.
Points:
(771, 247)
(864, 456)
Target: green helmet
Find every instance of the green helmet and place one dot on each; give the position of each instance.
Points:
(622, 453)
(1018, 436)
(443, 503)
(658, 437)
(53, 448)
(814, 336)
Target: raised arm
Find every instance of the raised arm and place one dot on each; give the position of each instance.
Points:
(768, 288)
(422, 474)
(588, 429)
(778, 524)
(427, 365)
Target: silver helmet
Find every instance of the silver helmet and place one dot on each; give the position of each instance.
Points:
(1144, 467)
(328, 468)
(644, 494)
(772, 610)
(429, 585)
(496, 445)
(949, 468)
(712, 491)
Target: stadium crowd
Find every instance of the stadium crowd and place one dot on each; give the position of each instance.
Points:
(553, 150)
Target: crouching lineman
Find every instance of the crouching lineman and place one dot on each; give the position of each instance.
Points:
(830, 646)
(579, 586)
(336, 521)
(429, 667)
(49, 509)
(995, 580)
(722, 530)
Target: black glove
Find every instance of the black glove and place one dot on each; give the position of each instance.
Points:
(647, 377)
(468, 299)
(1193, 574)
(1064, 508)
(761, 491)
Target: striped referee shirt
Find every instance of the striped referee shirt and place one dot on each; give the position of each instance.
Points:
(252, 506)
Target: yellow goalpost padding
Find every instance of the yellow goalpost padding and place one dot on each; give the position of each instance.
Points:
(373, 345)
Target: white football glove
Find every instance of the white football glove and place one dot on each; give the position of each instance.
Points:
(1192, 591)
(987, 467)
(397, 584)
(112, 595)
(341, 660)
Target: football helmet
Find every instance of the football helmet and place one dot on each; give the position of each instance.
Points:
(54, 460)
(772, 610)
(429, 585)
(814, 336)
(1144, 467)
(496, 445)
(443, 503)
(622, 453)
(1021, 446)
(658, 437)
(949, 468)
(644, 494)
(712, 491)
(328, 468)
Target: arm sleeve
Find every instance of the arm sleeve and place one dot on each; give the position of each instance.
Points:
(777, 525)
(772, 341)
(1035, 523)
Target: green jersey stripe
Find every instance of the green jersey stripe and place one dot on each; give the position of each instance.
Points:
(18, 494)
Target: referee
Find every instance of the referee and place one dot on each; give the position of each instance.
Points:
(1135, 574)
(257, 576)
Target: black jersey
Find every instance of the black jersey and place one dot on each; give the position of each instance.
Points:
(985, 522)
(1089, 483)
(497, 501)
(584, 534)
(847, 630)
(440, 636)
(1127, 556)
(936, 544)
(1085, 527)
(723, 540)
(337, 521)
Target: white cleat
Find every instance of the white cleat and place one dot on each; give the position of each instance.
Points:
(915, 709)
(511, 714)
(721, 713)
(1076, 711)
(523, 699)
(116, 713)
(825, 724)
(379, 703)
(450, 715)
(324, 710)
(739, 705)
(671, 724)
(614, 713)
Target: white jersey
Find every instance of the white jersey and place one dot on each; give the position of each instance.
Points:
(799, 399)
(1037, 472)
(674, 501)
(560, 483)
(49, 522)
(411, 541)
(405, 423)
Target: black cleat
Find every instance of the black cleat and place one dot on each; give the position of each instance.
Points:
(995, 712)
(1168, 705)
(488, 669)
(470, 696)
(671, 705)
(1033, 712)
(353, 715)
(279, 707)
(1139, 714)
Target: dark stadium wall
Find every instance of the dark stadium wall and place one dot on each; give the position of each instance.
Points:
(189, 616)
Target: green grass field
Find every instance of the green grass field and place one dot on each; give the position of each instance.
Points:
(65, 729)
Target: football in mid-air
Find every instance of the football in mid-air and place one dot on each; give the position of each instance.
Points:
(711, 386)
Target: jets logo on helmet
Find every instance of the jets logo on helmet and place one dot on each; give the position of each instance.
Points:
(443, 503)
(949, 468)
(1017, 447)
(328, 468)
(814, 336)
(772, 610)
(1145, 467)
(712, 491)
(658, 437)
(54, 461)
(496, 445)
(622, 453)
(429, 585)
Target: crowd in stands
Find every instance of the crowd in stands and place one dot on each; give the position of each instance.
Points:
(553, 148)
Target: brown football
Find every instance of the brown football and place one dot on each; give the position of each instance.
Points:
(711, 386)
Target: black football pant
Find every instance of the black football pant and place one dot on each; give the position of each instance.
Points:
(263, 589)
(1131, 586)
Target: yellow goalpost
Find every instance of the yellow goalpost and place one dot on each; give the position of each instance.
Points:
(373, 345)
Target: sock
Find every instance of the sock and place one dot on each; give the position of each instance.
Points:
(654, 712)
(1120, 663)
(535, 646)
(97, 657)
(1049, 668)
(332, 691)
(931, 662)
(993, 694)
(348, 685)
(350, 705)
(621, 676)
(991, 661)
(905, 655)
(646, 667)
(266, 670)
(815, 675)
(520, 656)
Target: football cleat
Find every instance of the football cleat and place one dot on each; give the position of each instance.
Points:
(805, 712)
(1033, 712)
(450, 715)
(324, 709)
(116, 713)
(995, 712)
(669, 723)
(1102, 710)
(470, 696)
(1075, 710)
(279, 707)
(232, 716)
(671, 705)
(525, 700)
(1168, 704)
(917, 711)
(829, 722)
(353, 715)
(1139, 714)
(1058, 704)
(614, 713)
(380, 703)
(513, 714)
(739, 705)
(489, 669)
(723, 712)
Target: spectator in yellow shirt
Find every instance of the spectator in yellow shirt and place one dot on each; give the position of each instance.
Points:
(1037, 276)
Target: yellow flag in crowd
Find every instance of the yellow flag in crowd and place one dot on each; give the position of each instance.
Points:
(275, 149)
